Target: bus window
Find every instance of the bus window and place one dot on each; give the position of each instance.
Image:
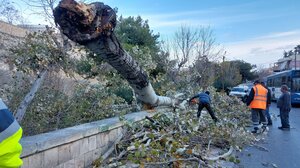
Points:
(283, 80)
(289, 82)
(269, 83)
(277, 82)
(296, 85)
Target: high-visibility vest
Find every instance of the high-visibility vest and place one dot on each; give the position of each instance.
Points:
(10, 134)
(260, 97)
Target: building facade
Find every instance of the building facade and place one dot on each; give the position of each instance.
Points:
(288, 62)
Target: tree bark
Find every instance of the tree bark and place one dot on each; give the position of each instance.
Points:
(92, 26)
(29, 97)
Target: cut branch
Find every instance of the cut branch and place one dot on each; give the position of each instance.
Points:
(221, 156)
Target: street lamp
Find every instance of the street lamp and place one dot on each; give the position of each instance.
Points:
(297, 50)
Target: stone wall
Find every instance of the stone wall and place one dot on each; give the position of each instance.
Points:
(75, 147)
(12, 29)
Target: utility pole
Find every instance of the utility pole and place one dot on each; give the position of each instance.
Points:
(295, 58)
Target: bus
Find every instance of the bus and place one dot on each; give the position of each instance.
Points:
(291, 78)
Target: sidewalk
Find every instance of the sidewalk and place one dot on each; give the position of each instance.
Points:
(279, 149)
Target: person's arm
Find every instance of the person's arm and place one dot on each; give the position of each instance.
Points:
(250, 97)
(193, 97)
(286, 103)
(280, 102)
(269, 97)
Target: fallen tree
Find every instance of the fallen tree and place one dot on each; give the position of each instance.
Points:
(92, 25)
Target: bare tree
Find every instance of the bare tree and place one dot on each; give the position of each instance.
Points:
(207, 45)
(43, 7)
(8, 12)
(184, 41)
(92, 26)
(207, 52)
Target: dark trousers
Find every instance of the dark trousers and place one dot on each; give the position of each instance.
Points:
(268, 114)
(284, 117)
(207, 106)
(258, 116)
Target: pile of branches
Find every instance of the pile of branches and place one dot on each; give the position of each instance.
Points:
(180, 139)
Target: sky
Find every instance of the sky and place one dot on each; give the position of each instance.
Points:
(256, 31)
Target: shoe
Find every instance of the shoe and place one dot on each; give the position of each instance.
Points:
(284, 128)
(269, 121)
(255, 130)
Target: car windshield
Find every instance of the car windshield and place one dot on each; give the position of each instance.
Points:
(238, 90)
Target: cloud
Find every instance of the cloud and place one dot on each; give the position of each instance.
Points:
(264, 50)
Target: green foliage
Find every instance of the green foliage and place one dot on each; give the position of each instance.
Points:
(90, 103)
(245, 70)
(124, 92)
(52, 109)
(141, 54)
(38, 52)
(136, 31)
(87, 67)
(137, 38)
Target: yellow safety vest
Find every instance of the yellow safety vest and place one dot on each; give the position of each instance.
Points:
(10, 134)
(260, 97)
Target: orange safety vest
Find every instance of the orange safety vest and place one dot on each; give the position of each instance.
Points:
(260, 97)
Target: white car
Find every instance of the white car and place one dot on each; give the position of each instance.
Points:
(240, 92)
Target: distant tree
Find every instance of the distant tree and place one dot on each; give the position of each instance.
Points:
(207, 52)
(245, 69)
(229, 75)
(185, 40)
(136, 31)
(135, 35)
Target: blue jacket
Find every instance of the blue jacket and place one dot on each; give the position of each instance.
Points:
(203, 98)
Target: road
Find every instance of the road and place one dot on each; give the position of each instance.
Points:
(283, 146)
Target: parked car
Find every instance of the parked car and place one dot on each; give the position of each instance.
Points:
(240, 92)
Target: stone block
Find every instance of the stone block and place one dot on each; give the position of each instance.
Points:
(113, 134)
(25, 162)
(102, 139)
(98, 141)
(79, 162)
(75, 149)
(70, 164)
(84, 146)
(60, 166)
(36, 160)
(50, 158)
(92, 143)
(97, 153)
(88, 159)
(64, 153)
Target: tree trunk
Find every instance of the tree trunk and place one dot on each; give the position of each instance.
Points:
(92, 25)
(29, 97)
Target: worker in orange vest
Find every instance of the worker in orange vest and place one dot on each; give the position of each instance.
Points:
(257, 101)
